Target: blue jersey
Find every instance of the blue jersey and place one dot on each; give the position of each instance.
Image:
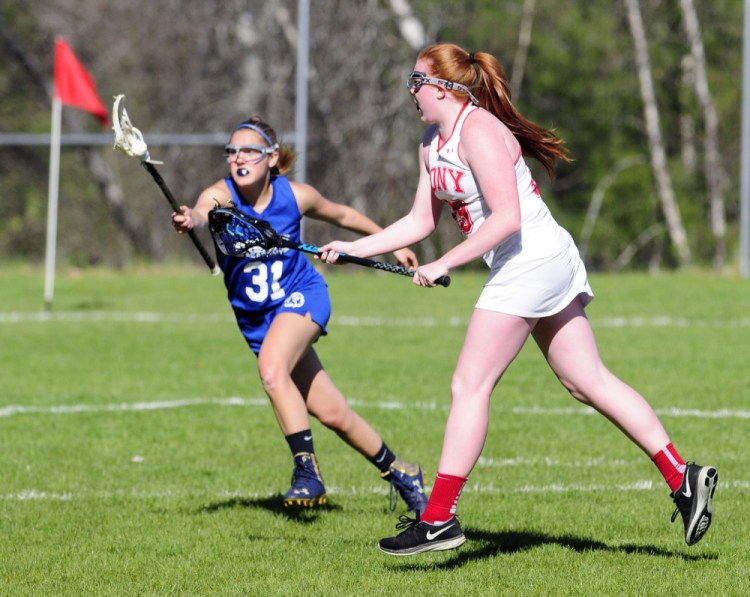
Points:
(266, 281)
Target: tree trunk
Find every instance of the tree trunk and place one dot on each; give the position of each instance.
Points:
(522, 50)
(664, 187)
(714, 172)
(411, 28)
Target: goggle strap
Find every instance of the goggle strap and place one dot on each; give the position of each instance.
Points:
(418, 79)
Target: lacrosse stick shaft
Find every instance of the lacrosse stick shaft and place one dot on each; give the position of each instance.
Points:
(388, 267)
(381, 265)
(215, 270)
(236, 233)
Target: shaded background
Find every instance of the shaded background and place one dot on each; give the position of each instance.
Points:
(202, 66)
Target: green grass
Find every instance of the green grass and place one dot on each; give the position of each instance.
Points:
(138, 455)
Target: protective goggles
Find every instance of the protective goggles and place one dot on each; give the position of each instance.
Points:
(254, 154)
(416, 79)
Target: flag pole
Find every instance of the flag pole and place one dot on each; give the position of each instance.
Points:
(73, 86)
(52, 200)
(745, 152)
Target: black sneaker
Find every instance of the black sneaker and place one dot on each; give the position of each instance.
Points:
(421, 536)
(694, 500)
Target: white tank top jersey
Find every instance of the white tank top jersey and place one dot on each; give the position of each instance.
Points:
(535, 273)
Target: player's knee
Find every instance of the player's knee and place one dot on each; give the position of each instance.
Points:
(584, 392)
(272, 375)
(334, 416)
(462, 387)
(587, 384)
(578, 395)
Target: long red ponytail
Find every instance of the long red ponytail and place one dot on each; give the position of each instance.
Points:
(482, 74)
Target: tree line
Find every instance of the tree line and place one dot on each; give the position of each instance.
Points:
(646, 93)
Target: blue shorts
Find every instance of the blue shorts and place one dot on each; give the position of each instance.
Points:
(312, 299)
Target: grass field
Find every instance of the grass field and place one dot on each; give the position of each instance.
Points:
(139, 455)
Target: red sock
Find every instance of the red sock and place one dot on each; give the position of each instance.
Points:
(670, 465)
(443, 499)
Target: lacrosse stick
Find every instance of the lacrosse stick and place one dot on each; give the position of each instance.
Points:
(129, 140)
(238, 234)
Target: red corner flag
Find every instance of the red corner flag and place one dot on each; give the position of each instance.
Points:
(74, 85)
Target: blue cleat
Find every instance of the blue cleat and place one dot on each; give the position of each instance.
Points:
(307, 490)
(406, 479)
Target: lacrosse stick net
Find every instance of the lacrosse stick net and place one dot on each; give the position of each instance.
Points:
(129, 140)
(236, 235)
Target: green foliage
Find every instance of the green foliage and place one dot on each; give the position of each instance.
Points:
(139, 455)
(579, 79)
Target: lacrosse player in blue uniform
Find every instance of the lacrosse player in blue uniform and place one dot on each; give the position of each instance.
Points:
(282, 307)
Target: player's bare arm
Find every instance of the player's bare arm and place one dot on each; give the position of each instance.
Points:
(197, 216)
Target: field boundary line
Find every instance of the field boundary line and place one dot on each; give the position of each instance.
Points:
(140, 406)
(31, 495)
(722, 413)
(655, 321)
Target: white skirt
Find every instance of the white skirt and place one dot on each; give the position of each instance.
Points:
(538, 285)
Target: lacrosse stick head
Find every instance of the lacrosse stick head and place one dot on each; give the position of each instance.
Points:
(128, 139)
(238, 235)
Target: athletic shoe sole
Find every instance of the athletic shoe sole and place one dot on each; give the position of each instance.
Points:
(700, 518)
(304, 502)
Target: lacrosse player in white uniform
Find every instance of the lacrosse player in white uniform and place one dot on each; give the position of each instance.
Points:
(472, 161)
